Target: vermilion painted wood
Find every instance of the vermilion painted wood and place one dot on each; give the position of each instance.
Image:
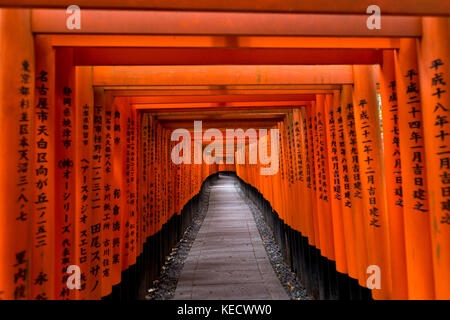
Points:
(218, 41)
(222, 23)
(65, 150)
(416, 217)
(43, 215)
(393, 175)
(401, 7)
(368, 135)
(83, 140)
(334, 183)
(356, 196)
(221, 75)
(435, 46)
(17, 70)
(223, 56)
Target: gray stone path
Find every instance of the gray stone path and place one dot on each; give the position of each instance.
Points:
(227, 259)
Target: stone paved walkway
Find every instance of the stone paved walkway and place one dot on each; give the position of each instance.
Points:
(227, 259)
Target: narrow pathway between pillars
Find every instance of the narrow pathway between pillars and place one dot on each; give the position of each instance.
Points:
(227, 259)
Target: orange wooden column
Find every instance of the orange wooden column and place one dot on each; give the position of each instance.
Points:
(323, 188)
(312, 173)
(370, 161)
(17, 87)
(334, 183)
(152, 184)
(157, 174)
(434, 64)
(278, 187)
(309, 219)
(319, 211)
(357, 204)
(140, 210)
(108, 197)
(267, 144)
(122, 114)
(164, 185)
(293, 172)
(43, 259)
(97, 196)
(299, 170)
(300, 149)
(83, 143)
(150, 176)
(280, 175)
(285, 211)
(344, 169)
(143, 195)
(419, 264)
(393, 174)
(65, 171)
(303, 192)
(290, 208)
(117, 201)
(133, 176)
(131, 186)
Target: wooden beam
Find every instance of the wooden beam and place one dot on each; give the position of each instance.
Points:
(397, 7)
(231, 124)
(117, 91)
(223, 23)
(224, 105)
(224, 112)
(176, 92)
(223, 116)
(223, 100)
(219, 41)
(153, 110)
(220, 75)
(223, 56)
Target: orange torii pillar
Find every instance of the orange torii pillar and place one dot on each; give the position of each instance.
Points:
(120, 211)
(65, 171)
(152, 197)
(309, 242)
(355, 187)
(325, 191)
(103, 218)
(300, 192)
(305, 177)
(344, 172)
(434, 71)
(43, 221)
(287, 184)
(129, 221)
(368, 136)
(97, 191)
(143, 199)
(84, 99)
(393, 173)
(311, 179)
(109, 198)
(335, 183)
(17, 87)
(416, 217)
(319, 216)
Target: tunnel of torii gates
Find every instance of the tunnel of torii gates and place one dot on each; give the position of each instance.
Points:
(86, 118)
